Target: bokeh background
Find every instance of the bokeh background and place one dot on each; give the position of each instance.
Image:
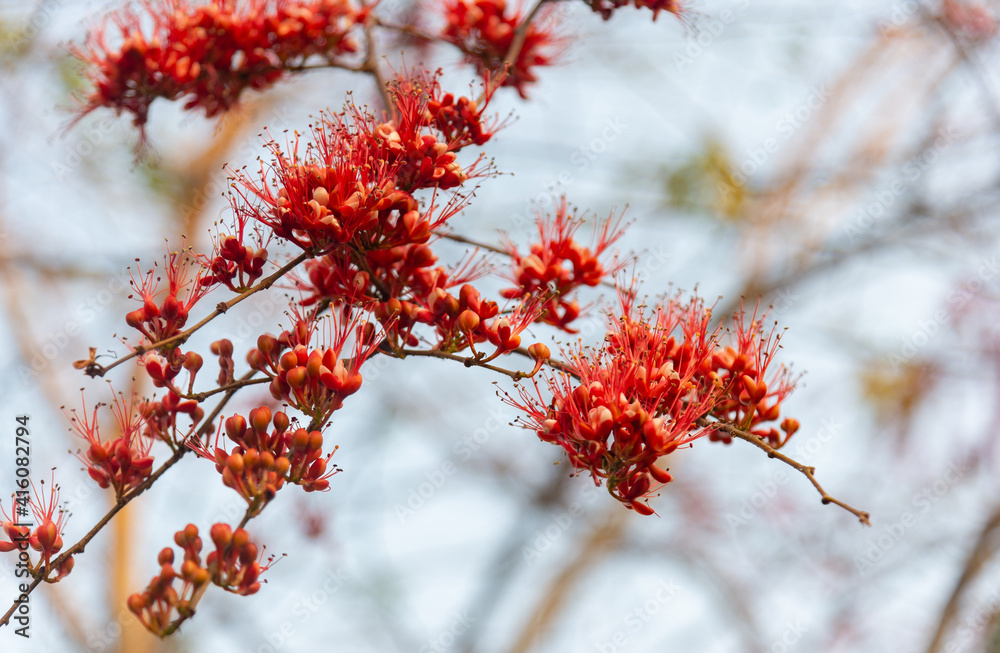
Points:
(836, 160)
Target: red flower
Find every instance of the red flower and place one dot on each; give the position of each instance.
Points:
(558, 264)
(233, 565)
(211, 54)
(484, 31)
(426, 129)
(161, 321)
(159, 418)
(642, 394)
(46, 538)
(234, 260)
(337, 193)
(753, 390)
(263, 459)
(637, 398)
(316, 381)
(124, 462)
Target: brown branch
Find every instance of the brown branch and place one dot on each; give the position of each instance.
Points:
(982, 552)
(554, 363)
(468, 361)
(807, 471)
(601, 542)
(475, 243)
(101, 370)
(409, 30)
(371, 66)
(520, 34)
(235, 385)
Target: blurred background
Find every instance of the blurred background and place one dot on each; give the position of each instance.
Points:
(837, 160)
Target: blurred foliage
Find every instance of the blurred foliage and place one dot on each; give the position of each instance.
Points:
(704, 183)
(895, 391)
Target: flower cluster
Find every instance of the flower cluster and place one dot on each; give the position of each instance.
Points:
(649, 389)
(361, 199)
(426, 130)
(159, 418)
(159, 321)
(268, 453)
(558, 264)
(235, 265)
(123, 462)
(46, 538)
(315, 381)
(233, 566)
(212, 53)
(354, 186)
(485, 31)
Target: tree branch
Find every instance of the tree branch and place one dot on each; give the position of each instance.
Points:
(807, 471)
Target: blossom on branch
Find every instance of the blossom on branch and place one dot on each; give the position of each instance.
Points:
(268, 454)
(558, 264)
(46, 538)
(234, 566)
(316, 381)
(619, 408)
(210, 54)
(485, 31)
(124, 462)
(159, 321)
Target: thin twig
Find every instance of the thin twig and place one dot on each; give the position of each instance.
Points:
(101, 370)
(410, 30)
(475, 243)
(808, 471)
(371, 66)
(520, 34)
(468, 361)
(235, 385)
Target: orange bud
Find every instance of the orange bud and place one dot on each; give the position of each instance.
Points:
(468, 321)
(260, 418)
(789, 426)
(539, 352)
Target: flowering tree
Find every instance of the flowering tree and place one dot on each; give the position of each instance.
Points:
(348, 215)
(348, 225)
